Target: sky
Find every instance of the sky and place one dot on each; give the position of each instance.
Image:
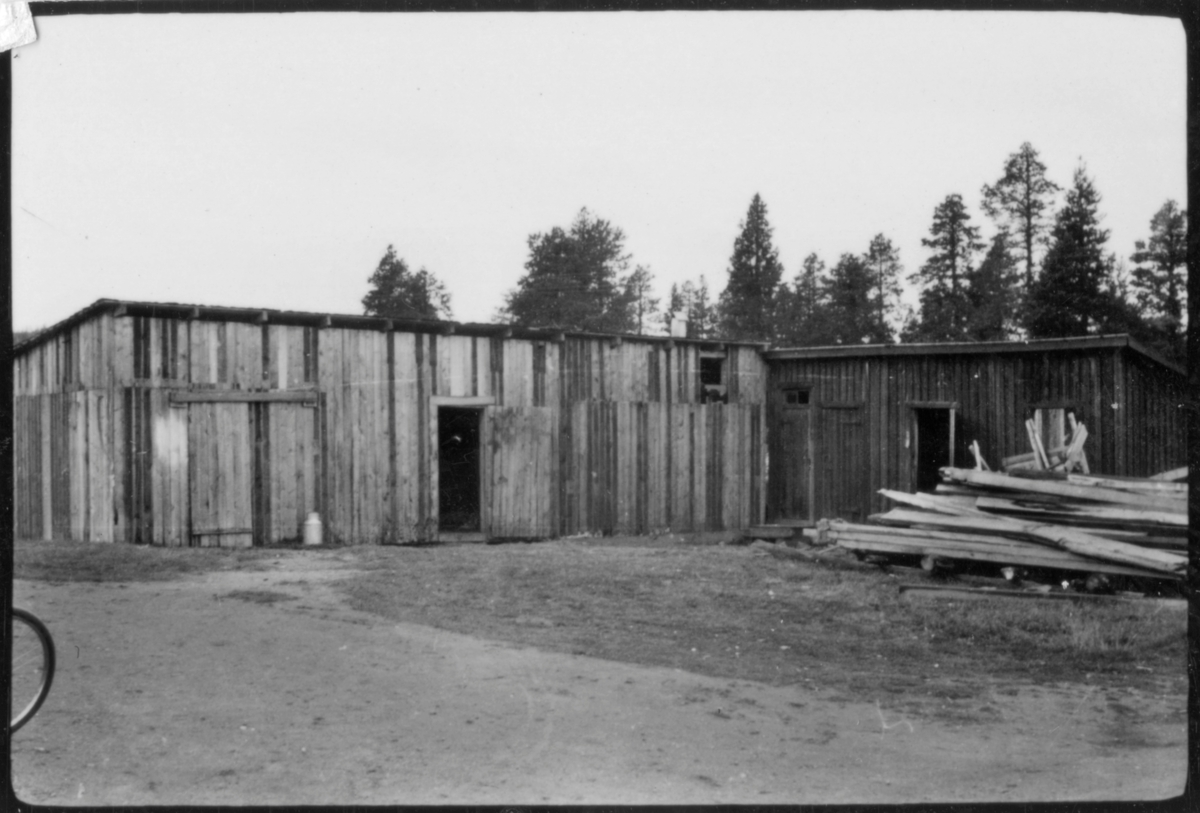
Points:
(268, 160)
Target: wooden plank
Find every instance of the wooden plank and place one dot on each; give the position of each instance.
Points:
(406, 434)
(308, 397)
(1159, 487)
(77, 463)
(1071, 539)
(999, 552)
(99, 440)
(1091, 514)
(1061, 489)
(1039, 454)
(1176, 474)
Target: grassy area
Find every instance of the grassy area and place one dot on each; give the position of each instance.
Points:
(97, 562)
(724, 611)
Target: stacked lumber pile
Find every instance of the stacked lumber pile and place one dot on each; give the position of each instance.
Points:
(1046, 519)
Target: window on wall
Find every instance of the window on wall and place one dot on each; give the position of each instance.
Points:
(795, 397)
(712, 378)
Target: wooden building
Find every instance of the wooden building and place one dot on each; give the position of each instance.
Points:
(184, 425)
(848, 421)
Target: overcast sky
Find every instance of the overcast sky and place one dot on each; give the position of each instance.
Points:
(268, 160)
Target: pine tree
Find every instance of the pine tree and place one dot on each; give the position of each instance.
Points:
(699, 310)
(639, 296)
(398, 293)
(1160, 277)
(992, 293)
(850, 304)
(574, 279)
(748, 303)
(1071, 297)
(1020, 203)
(883, 261)
(802, 319)
(945, 305)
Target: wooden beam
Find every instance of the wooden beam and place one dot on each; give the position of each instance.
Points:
(1153, 486)
(325, 322)
(1059, 488)
(1108, 515)
(262, 317)
(242, 396)
(1180, 473)
(974, 547)
(462, 400)
(1071, 539)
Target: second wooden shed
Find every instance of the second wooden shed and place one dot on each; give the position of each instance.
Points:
(847, 421)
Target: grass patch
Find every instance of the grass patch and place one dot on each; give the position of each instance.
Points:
(120, 562)
(726, 612)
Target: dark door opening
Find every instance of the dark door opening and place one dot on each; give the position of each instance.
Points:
(934, 446)
(458, 469)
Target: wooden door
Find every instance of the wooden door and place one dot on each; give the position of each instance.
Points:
(520, 477)
(792, 460)
(220, 474)
(844, 463)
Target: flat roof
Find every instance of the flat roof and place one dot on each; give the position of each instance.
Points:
(174, 310)
(1115, 340)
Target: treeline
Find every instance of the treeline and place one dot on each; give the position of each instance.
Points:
(1044, 271)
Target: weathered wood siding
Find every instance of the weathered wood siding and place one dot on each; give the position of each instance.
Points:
(1132, 408)
(1155, 405)
(579, 434)
(640, 453)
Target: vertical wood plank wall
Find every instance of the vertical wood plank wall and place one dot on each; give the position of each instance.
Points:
(581, 435)
(1132, 408)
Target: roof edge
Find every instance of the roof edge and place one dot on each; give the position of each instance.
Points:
(350, 321)
(970, 348)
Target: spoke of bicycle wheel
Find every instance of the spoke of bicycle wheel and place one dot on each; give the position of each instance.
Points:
(28, 668)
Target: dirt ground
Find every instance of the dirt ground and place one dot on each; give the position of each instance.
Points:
(263, 687)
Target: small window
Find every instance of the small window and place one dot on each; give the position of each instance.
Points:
(712, 387)
(795, 397)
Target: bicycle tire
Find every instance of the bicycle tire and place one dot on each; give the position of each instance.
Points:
(31, 667)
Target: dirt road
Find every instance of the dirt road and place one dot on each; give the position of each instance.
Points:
(263, 688)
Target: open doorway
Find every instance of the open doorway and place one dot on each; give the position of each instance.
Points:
(458, 469)
(934, 445)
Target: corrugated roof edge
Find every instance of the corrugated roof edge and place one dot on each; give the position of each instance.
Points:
(952, 348)
(282, 317)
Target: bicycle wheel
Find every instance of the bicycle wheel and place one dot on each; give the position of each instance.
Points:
(32, 666)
